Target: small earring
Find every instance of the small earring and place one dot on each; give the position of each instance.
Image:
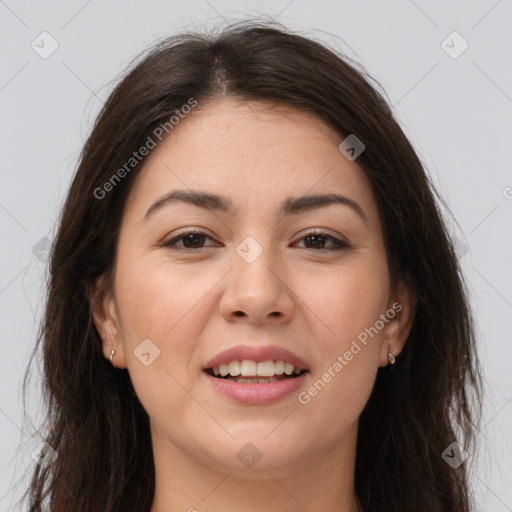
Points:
(111, 356)
(391, 358)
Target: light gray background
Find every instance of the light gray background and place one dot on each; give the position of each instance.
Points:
(457, 112)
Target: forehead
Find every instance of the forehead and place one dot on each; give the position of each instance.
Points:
(256, 153)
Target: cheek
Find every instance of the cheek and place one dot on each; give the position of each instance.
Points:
(349, 303)
(165, 307)
(157, 300)
(345, 302)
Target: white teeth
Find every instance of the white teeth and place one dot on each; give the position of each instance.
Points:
(279, 368)
(224, 369)
(288, 368)
(234, 368)
(250, 368)
(265, 369)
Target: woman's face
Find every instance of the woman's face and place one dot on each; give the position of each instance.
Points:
(272, 274)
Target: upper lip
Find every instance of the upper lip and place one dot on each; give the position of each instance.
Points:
(257, 353)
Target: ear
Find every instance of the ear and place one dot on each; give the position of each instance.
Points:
(401, 312)
(105, 317)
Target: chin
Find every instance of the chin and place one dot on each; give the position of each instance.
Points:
(255, 451)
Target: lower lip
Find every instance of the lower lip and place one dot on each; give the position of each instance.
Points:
(256, 394)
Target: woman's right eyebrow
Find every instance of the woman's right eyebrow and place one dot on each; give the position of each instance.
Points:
(290, 206)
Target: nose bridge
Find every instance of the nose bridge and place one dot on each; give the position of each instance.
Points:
(256, 287)
(256, 265)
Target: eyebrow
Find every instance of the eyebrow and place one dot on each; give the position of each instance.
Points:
(290, 206)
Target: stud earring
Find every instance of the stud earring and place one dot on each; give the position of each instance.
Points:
(391, 358)
(111, 356)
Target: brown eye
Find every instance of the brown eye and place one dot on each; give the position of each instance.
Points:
(317, 241)
(191, 241)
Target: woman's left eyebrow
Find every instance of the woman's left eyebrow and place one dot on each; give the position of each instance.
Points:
(290, 206)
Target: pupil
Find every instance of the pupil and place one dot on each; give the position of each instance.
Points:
(192, 237)
(318, 238)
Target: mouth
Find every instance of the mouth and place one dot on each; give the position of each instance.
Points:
(256, 375)
(248, 371)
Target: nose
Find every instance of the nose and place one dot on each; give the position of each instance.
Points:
(258, 292)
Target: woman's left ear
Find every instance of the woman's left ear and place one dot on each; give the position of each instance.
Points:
(401, 312)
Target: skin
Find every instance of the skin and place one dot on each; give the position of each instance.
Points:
(195, 305)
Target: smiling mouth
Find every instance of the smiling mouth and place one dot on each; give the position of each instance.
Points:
(252, 372)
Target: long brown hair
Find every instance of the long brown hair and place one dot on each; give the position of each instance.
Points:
(94, 420)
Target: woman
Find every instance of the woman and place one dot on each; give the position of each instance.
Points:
(254, 303)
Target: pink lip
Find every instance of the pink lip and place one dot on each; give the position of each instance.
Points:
(256, 394)
(268, 352)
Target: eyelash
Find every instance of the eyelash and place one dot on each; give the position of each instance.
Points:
(340, 244)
